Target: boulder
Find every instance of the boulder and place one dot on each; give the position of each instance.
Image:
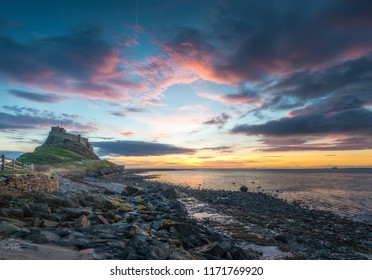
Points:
(170, 194)
(48, 237)
(82, 221)
(129, 190)
(7, 229)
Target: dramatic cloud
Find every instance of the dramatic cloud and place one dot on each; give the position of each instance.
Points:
(349, 143)
(36, 97)
(242, 97)
(220, 120)
(348, 121)
(349, 77)
(29, 118)
(80, 62)
(330, 105)
(138, 148)
(256, 40)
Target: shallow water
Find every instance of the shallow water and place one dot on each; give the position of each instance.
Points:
(347, 193)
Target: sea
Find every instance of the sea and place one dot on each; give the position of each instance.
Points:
(345, 192)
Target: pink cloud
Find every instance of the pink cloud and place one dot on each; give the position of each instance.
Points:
(199, 61)
(233, 98)
(125, 133)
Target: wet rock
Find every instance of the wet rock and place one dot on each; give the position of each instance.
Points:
(13, 212)
(73, 213)
(179, 254)
(63, 231)
(6, 229)
(49, 224)
(37, 222)
(281, 238)
(109, 192)
(170, 193)
(129, 190)
(82, 221)
(178, 207)
(162, 224)
(243, 189)
(25, 207)
(139, 244)
(102, 219)
(48, 237)
(300, 239)
(40, 209)
(214, 250)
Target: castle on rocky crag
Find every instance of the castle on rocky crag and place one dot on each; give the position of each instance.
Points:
(58, 137)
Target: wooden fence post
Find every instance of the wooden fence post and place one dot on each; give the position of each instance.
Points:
(3, 163)
(14, 166)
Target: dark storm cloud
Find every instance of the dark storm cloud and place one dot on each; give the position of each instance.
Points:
(138, 148)
(36, 97)
(348, 121)
(260, 39)
(220, 120)
(330, 105)
(75, 54)
(350, 77)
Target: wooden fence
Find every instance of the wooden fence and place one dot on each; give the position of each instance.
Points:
(12, 164)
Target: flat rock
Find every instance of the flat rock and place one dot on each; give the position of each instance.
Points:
(49, 224)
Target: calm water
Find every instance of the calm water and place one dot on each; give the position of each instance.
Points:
(345, 192)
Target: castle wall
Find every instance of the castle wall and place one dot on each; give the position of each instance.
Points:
(69, 136)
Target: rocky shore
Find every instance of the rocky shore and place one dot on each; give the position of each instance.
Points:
(123, 216)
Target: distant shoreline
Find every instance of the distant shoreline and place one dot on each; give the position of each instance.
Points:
(331, 169)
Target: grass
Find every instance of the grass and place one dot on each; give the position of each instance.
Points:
(50, 155)
(11, 172)
(54, 159)
(80, 166)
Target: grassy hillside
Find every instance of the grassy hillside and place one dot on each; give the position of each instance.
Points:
(50, 155)
(54, 159)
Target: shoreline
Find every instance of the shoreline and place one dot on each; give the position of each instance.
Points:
(290, 226)
(350, 202)
(123, 216)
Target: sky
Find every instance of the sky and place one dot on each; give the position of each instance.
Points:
(191, 84)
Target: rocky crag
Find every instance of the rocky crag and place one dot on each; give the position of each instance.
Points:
(58, 137)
